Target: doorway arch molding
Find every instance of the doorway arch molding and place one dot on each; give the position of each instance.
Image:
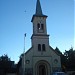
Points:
(41, 66)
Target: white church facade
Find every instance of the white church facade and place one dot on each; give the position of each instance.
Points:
(41, 58)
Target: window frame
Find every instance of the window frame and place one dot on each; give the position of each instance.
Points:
(39, 47)
(43, 47)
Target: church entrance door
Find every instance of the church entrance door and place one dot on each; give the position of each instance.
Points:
(42, 70)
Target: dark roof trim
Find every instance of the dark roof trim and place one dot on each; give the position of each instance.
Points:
(54, 51)
(28, 50)
(38, 16)
(39, 35)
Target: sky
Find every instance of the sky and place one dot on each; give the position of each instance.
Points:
(15, 21)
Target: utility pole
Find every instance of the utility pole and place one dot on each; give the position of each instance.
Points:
(24, 55)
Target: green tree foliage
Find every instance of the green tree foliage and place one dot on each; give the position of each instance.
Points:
(63, 60)
(5, 64)
(70, 59)
(4, 58)
(67, 59)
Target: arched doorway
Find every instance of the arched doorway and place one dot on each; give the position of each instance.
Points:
(42, 70)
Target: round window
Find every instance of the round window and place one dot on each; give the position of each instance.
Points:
(55, 61)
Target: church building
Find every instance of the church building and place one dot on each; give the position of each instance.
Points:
(41, 58)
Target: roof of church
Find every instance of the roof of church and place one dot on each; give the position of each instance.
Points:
(49, 47)
(38, 12)
(54, 50)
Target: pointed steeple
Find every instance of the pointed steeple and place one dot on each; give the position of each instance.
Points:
(38, 12)
(38, 8)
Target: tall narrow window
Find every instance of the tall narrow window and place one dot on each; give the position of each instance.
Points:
(42, 26)
(39, 47)
(43, 47)
(38, 26)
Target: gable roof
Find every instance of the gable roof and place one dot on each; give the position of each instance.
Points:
(54, 51)
(28, 50)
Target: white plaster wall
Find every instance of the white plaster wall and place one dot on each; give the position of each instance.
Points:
(48, 56)
(28, 56)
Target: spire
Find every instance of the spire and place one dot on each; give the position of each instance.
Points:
(38, 8)
(38, 12)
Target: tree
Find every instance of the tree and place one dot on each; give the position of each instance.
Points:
(5, 64)
(63, 60)
(70, 59)
(4, 58)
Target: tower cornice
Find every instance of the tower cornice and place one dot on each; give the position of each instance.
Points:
(39, 35)
(38, 16)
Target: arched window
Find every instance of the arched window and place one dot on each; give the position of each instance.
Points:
(43, 47)
(42, 26)
(39, 47)
(38, 26)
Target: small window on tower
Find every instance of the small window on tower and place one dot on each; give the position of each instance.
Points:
(43, 47)
(39, 47)
(38, 26)
(42, 26)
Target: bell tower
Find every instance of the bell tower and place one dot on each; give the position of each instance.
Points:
(39, 37)
(39, 21)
